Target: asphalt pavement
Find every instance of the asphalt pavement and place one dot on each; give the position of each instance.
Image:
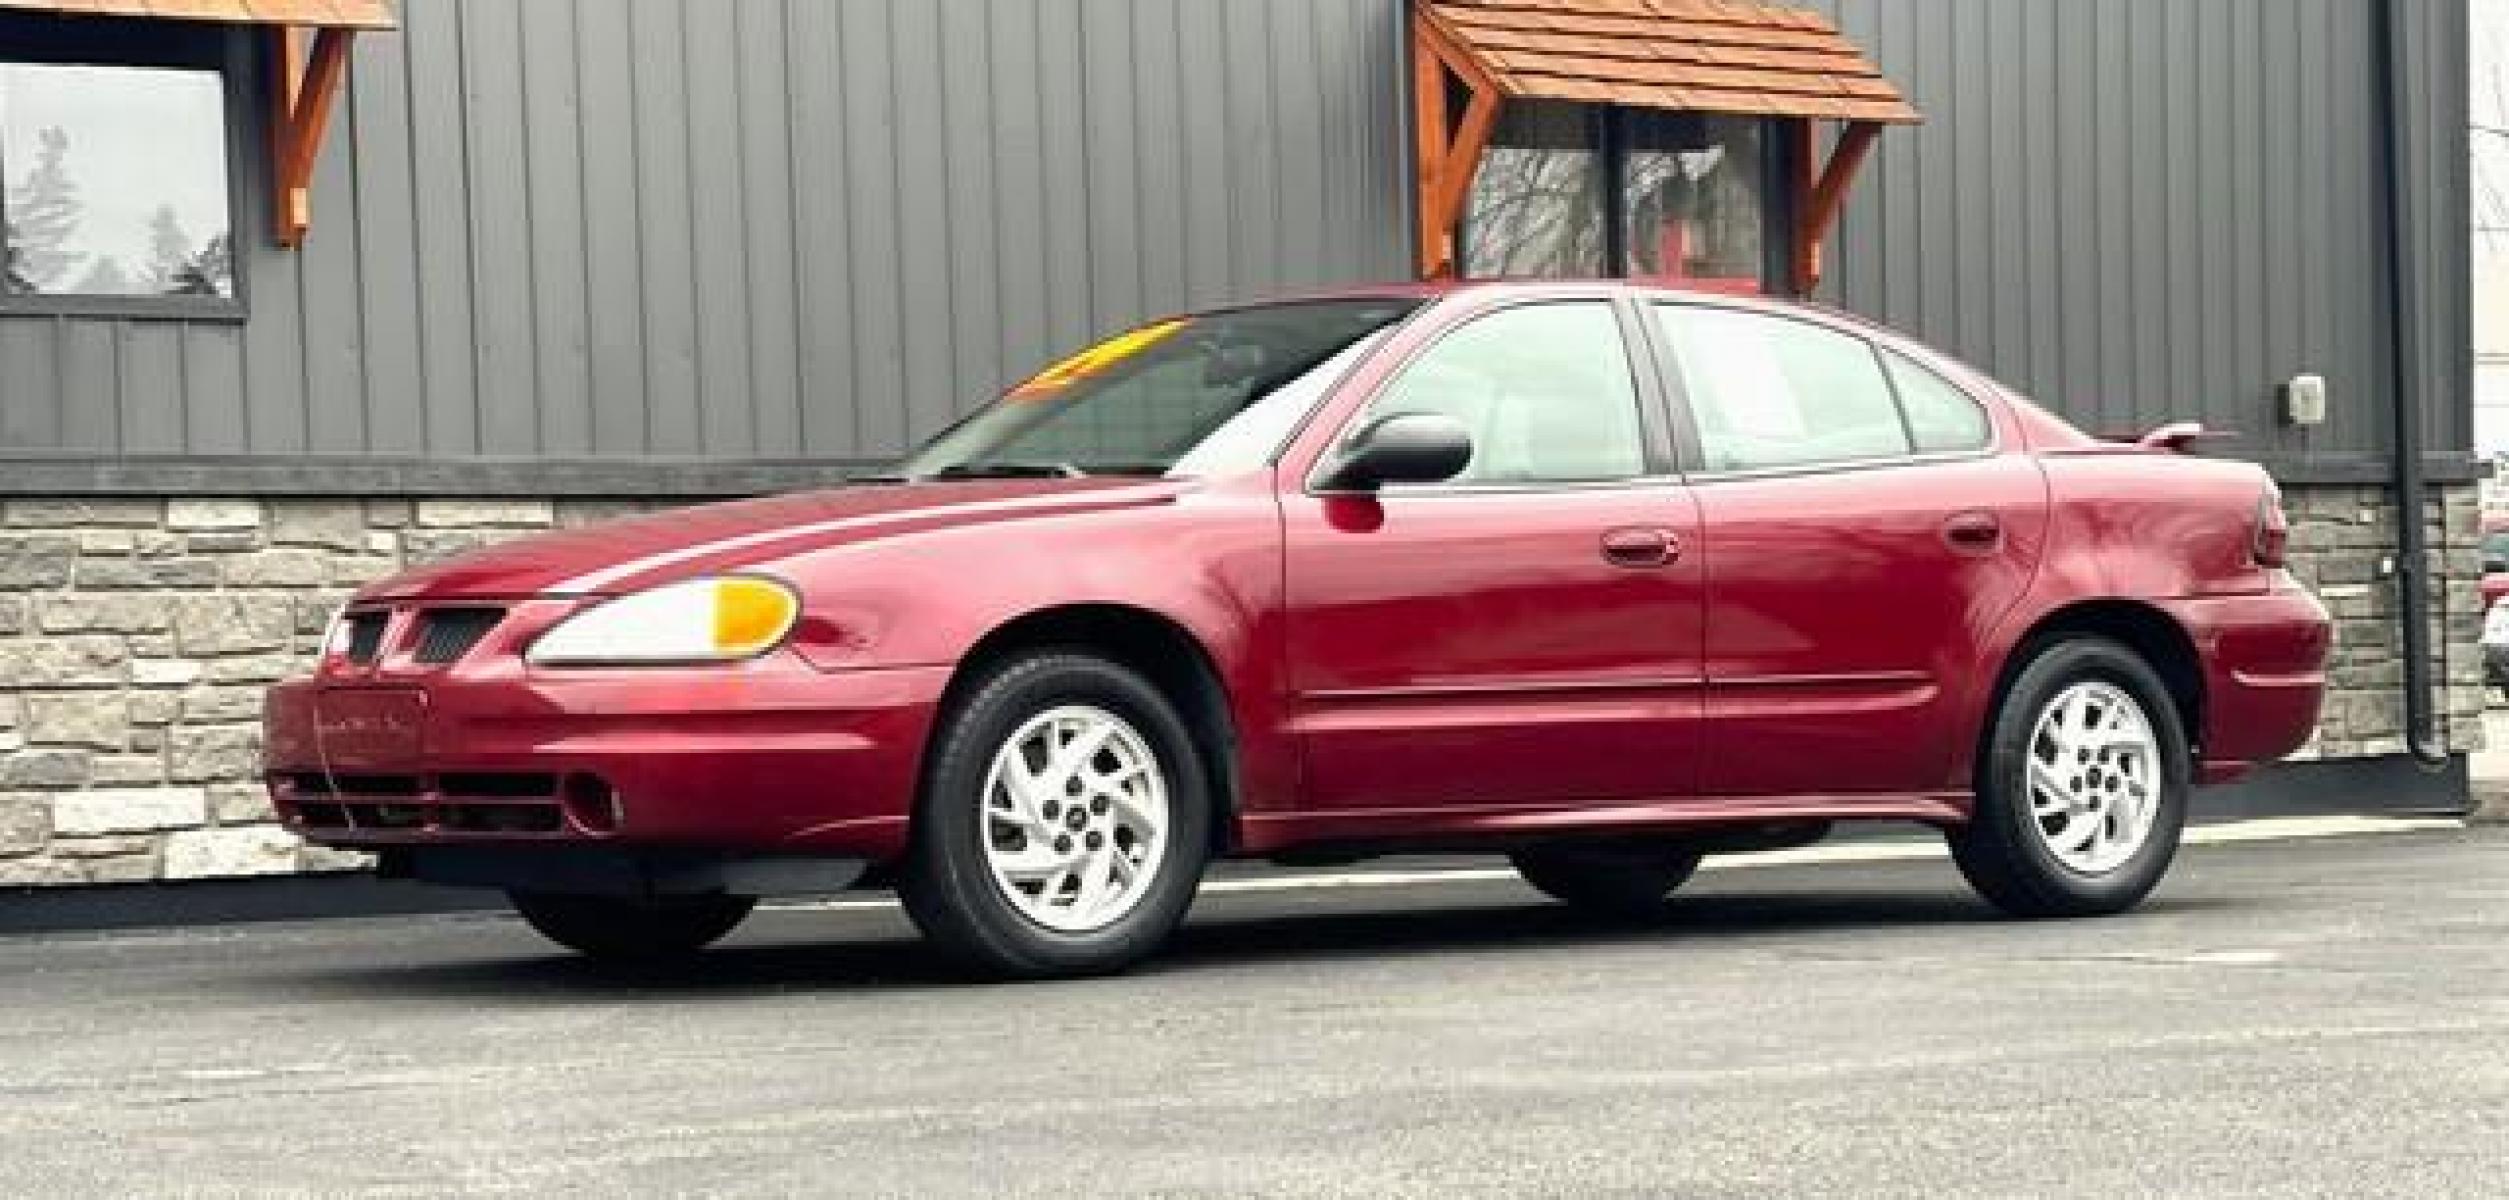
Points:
(2308, 1017)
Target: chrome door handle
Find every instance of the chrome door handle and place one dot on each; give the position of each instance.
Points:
(1973, 532)
(1641, 549)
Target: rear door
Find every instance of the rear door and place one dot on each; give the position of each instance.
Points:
(1527, 633)
(1863, 534)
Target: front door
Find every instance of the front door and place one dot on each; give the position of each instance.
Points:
(1525, 634)
(1863, 537)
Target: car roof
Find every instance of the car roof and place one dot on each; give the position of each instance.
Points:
(1441, 288)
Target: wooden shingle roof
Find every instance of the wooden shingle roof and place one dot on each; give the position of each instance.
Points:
(1720, 56)
(310, 14)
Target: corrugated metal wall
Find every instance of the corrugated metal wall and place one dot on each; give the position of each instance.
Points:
(2139, 210)
(737, 230)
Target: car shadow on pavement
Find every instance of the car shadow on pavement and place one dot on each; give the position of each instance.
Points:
(1225, 935)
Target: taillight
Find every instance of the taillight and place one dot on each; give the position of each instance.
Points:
(2272, 547)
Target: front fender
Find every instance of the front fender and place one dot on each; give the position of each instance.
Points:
(1208, 562)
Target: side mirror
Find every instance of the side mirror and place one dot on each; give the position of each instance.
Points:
(1402, 448)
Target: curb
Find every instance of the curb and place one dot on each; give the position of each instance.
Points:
(2491, 802)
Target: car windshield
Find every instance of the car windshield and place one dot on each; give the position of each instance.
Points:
(1191, 395)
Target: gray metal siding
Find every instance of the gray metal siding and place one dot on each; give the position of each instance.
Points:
(708, 232)
(734, 230)
(2142, 210)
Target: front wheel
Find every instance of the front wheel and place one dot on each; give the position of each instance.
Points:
(1064, 822)
(618, 929)
(2082, 789)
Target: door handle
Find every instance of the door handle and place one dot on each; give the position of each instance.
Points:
(1973, 532)
(1641, 549)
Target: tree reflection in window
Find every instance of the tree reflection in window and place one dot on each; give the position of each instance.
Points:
(113, 182)
(1536, 205)
(1689, 204)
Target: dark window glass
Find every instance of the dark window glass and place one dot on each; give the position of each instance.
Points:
(1143, 402)
(115, 181)
(1536, 205)
(1941, 417)
(1692, 187)
(1773, 392)
(1545, 391)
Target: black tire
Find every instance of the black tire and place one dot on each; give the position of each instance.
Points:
(946, 881)
(619, 929)
(2004, 850)
(1610, 881)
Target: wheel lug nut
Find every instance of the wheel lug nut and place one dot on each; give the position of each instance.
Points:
(1063, 844)
(1100, 805)
(1096, 840)
(1053, 809)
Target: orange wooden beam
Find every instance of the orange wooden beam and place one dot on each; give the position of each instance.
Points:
(1818, 206)
(307, 85)
(1448, 154)
(1429, 125)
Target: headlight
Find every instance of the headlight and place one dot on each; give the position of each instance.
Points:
(2496, 624)
(724, 619)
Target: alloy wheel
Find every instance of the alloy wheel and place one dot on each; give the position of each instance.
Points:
(1075, 818)
(2094, 777)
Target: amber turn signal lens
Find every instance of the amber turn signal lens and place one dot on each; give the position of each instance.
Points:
(750, 615)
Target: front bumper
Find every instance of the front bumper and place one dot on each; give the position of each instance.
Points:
(770, 757)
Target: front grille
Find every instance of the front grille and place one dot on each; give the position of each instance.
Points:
(446, 634)
(365, 636)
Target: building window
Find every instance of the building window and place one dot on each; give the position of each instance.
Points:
(1573, 191)
(1536, 205)
(117, 183)
(1694, 193)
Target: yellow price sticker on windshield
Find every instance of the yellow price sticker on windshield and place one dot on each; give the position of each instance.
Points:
(1094, 360)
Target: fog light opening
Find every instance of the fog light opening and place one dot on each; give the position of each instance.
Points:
(593, 805)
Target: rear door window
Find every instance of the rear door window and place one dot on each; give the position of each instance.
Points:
(1941, 418)
(1770, 392)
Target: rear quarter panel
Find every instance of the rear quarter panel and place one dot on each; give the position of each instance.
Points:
(2152, 525)
(2176, 533)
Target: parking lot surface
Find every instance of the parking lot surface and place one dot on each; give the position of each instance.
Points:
(2319, 1017)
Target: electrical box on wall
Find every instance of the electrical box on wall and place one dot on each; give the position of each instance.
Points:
(2304, 400)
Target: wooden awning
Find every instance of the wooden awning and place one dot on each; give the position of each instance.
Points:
(1728, 57)
(307, 14)
(1712, 56)
(311, 70)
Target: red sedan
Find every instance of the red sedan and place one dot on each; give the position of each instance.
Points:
(1601, 577)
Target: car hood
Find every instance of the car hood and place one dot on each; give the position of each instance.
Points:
(639, 552)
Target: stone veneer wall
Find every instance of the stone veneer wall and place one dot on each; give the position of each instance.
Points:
(2342, 542)
(136, 636)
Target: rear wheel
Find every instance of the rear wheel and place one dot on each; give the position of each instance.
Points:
(1064, 824)
(1613, 881)
(619, 929)
(2082, 791)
